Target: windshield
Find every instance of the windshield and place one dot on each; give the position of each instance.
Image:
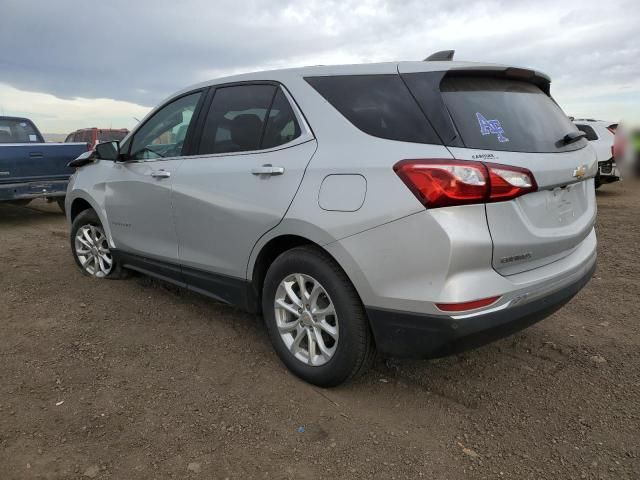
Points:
(510, 115)
(18, 130)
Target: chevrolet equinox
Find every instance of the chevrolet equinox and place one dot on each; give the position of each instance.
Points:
(413, 209)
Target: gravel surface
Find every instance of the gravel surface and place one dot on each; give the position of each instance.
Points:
(136, 379)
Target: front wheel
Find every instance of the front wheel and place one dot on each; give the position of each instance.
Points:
(91, 249)
(315, 319)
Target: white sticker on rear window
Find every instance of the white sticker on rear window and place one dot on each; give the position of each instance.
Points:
(491, 127)
(33, 138)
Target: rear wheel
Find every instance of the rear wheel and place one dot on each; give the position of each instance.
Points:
(315, 319)
(91, 249)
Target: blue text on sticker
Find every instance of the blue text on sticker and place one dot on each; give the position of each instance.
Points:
(491, 127)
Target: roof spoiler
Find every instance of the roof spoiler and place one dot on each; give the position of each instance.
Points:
(441, 56)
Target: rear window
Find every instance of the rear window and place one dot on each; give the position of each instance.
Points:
(111, 135)
(380, 105)
(86, 136)
(590, 133)
(18, 131)
(510, 115)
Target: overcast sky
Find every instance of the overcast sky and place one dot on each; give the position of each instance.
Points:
(70, 64)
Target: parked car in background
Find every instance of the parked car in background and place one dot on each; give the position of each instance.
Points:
(31, 168)
(93, 136)
(626, 149)
(415, 208)
(601, 135)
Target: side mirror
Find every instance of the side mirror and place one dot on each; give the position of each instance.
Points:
(108, 151)
(84, 159)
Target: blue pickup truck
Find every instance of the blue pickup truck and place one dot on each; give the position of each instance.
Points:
(31, 168)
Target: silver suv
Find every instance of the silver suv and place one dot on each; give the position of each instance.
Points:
(413, 209)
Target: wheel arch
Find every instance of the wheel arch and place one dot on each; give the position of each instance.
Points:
(270, 248)
(81, 201)
(78, 205)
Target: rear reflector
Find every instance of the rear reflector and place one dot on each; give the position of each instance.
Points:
(462, 307)
(445, 182)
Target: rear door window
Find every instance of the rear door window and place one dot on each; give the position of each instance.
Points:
(282, 126)
(236, 119)
(510, 115)
(590, 133)
(380, 105)
(18, 131)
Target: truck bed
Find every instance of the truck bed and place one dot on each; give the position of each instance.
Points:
(31, 170)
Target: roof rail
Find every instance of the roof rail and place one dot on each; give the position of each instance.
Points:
(441, 56)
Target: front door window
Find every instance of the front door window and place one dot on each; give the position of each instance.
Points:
(163, 135)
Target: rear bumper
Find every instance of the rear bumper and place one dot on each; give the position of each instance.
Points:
(23, 191)
(415, 335)
(609, 172)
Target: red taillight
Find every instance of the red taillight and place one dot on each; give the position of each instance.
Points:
(443, 183)
(462, 307)
(509, 182)
(439, 183)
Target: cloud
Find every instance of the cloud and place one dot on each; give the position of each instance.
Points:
(57, 115)
(142, 51)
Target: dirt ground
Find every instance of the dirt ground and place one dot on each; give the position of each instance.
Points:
(134, 379)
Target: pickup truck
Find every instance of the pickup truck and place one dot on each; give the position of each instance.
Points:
(31, 168)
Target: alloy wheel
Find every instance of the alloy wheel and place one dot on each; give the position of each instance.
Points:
(92, 250)
(306, 319)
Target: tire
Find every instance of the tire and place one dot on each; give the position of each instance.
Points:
(60, 202)
(597, 181)
(348, 347)
(88, 225)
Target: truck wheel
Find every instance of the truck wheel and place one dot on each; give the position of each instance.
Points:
(315, 319)
(91, 249)
(60, 202)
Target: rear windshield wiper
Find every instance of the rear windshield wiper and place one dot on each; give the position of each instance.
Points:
(572, 137)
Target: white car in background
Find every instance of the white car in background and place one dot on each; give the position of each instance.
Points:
(601, 135)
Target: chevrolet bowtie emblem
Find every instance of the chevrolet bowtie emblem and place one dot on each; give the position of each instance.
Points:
(580, 172)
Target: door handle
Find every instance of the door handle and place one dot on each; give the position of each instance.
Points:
(160, 174)
(267, 169)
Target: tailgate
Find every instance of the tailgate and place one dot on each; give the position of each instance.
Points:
(507, 117)
(544, 226)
